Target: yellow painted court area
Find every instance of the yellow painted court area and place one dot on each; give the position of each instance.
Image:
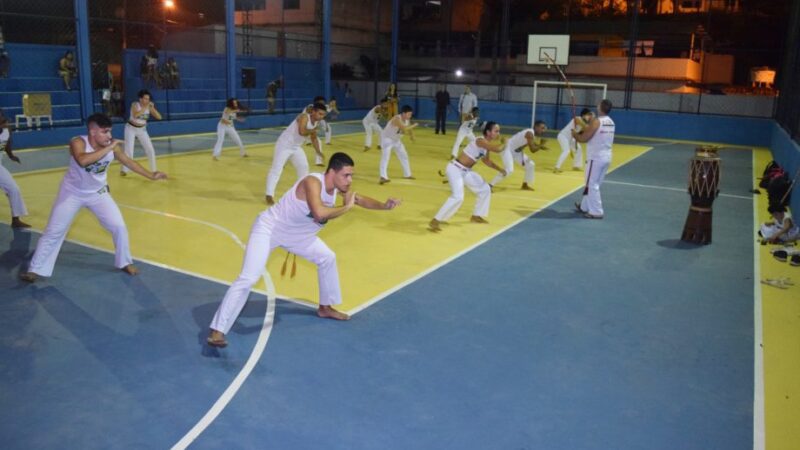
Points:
(781, 338)
(189, 221)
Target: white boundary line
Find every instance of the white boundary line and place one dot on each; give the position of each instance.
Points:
(759, 430)
(666, 188)
(394, 289)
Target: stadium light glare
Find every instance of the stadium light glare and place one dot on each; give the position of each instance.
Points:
(459, 73)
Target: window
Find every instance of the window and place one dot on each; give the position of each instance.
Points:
(291, 4)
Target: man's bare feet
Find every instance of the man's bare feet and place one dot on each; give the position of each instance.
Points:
(384, 181)
(557, 170)
(130, 269)
(245, 155)
(270, 200)
(215, 158)
(216, 339)
(478, 219)
(410, 177)
(123, 174)
(30, 277)
(327, 312)
(366, 149)
(17, 223)
(526, 187)
(434, 226)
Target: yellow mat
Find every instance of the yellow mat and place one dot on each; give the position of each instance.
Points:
(781, 338)
(191, 222)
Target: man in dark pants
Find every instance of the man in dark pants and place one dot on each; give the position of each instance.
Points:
(442, 102)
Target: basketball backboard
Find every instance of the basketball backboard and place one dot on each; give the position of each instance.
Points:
(554, 46)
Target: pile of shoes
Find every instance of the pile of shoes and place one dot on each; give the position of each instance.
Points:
(788, 253)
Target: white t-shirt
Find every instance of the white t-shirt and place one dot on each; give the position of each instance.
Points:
(229, 114)
(89, 179)
(467, 102)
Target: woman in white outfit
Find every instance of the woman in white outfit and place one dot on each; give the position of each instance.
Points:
(514, 152)
(225, 126)
(371, 124)
(290, 147)
(293, 224)
(391, 139)
(136, 128)
(459, 173)
(568, 144)
(85, 186)
(7, 183)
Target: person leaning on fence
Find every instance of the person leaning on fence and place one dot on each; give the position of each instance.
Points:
(67, 69)
(173, 73)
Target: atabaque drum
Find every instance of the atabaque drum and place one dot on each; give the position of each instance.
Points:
(704, 176)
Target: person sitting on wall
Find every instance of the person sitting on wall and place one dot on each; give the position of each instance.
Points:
(173, 73)
(149, 66)
(67, 69)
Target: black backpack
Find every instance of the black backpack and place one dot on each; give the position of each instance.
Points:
(777, 183)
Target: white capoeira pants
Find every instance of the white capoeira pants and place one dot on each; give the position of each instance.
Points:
(64, 210)
(9, 186)
(222, 130)
(131, 133)
(458, 176)
(264, 237)
(568, 145)
(284, 153)
(325, 125)
(595, 173)
(459, 139)
(387, 145)
(509, 157)
(369, 128)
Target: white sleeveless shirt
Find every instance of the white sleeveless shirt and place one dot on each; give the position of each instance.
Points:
(566, 132)
(293, 215)
(291, 136)
(90, 179)
(4, 136)
(599, 146)
(141, 118)
(229, 115)
(518, 140)
(372, 115)
(391, 131)
(468, 126)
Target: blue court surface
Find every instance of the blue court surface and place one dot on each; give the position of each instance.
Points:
(560, 333)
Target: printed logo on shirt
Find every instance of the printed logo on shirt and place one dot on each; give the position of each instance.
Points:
(97, 167)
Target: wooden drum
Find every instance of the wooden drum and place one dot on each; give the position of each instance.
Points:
(704, 176)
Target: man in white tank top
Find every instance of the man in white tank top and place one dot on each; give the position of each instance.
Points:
(599, 138)
(568, 144)
(293, 224)
(84, 186)
(290, 148)
(136, 128)
(7, 183)
(391, 139)
(514, 152)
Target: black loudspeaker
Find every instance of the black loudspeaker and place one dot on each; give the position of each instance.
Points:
(248, 77)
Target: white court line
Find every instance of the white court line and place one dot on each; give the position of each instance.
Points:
(666, 188)
(394, 289)
(759, 431)
(258, 349)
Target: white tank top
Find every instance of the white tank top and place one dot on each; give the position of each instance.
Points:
(518, 140)
(4, 135)
(139, 119)
(599, 146)
(89, 179)
(566, 132)
(291, 136)
(473, 151)
(390, 131)
(294, 216)
(229, 114)
(372, 115)
(468, 126)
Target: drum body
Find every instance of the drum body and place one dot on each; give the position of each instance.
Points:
(704, 176)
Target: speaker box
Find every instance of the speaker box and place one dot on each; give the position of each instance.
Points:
(248, 77)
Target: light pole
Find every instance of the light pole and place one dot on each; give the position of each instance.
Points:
(168, 5)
